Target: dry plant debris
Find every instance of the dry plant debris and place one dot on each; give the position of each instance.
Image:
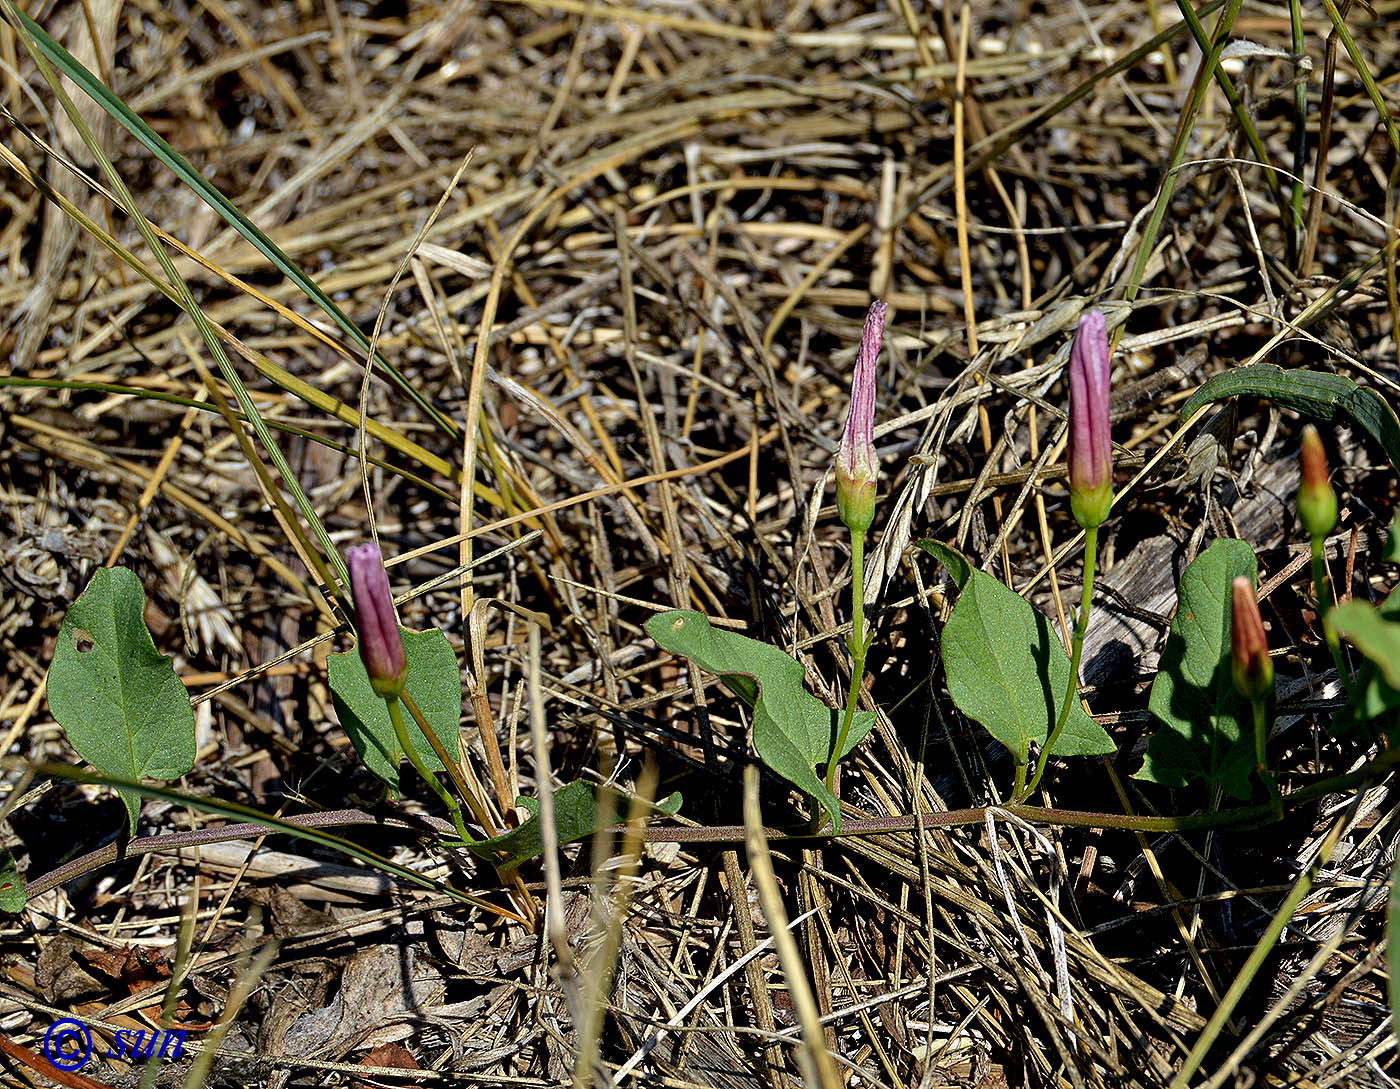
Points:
(668, 222)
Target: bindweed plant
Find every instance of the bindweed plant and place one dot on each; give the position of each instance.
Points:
(398, 694)
(1006, 669)
(126, 712)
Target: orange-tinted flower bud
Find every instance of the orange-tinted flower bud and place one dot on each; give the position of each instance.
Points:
(1249, 650)
(1317, 502)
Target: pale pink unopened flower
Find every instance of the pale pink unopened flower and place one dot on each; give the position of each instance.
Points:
(856, 465)
(379, 642)
(1090, 444)
(1249, 649)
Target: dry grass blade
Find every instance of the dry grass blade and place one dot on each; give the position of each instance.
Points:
(818, 1068)
(609, 261)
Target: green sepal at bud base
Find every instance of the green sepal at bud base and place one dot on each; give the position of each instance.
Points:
(855, 501)
(1091, 507)
(1317, 511)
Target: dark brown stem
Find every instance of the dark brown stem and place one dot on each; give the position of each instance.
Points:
(144, 845)
(1241, 816)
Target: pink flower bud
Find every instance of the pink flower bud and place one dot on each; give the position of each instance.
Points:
(1317, 502)
(381, 646)
(1249, 650)
(1090, 445)
(856, 466)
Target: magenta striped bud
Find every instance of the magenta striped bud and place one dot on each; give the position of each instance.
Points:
(379, 642)
(1250, 665)
(1090, 444)
(856, 465)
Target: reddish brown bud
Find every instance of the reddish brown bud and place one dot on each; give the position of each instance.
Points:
(1249, 649)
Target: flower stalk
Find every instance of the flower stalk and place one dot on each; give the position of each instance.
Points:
(1081, 624)
(856, 470)
(381, 650)
(1317, 511)
(1090, 499)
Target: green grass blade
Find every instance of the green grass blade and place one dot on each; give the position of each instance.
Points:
(1363, 72)
(1300, 125)
(1292, 224)
(312, 396)
(14, 382)
(996, 144)
(1183, 134)
(329, 553)
(241, 813)
(117, 109)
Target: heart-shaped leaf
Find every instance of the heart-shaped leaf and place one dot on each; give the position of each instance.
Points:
(1372, 694)
(958, 565)
(1005, 667)
(117, 697)
(575, 818)
(1378, 639)
(433, 681)
(793, 731)
(1207, 726)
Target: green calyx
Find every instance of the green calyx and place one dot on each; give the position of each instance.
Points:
(1090, 506)
(390, 688)
(855, 502)
(1255, 678)
(1317, 510)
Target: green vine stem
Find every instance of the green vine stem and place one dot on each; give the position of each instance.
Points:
(401, 732)
(1322, 587)
(511, 878)
(1261, 952)
(454, 773)
(858, 649)
(1091, 550)
(1240, 817)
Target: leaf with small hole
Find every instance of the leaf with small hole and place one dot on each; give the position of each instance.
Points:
(117, 698)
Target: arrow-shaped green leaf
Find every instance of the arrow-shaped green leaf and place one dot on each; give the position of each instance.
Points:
(117, 697)
(793, 731)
